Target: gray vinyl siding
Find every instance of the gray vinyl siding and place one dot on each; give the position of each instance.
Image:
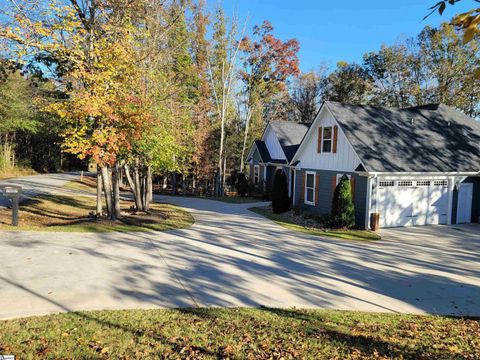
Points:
(256, 157)
(476, 200)
(325, 194)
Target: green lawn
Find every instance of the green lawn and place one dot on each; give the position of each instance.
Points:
(239, 334)
(361, 235)
(71, 213)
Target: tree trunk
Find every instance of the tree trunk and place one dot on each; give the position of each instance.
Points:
(247, 124)
(165, 182)
(184, 186)
(134, 186)
(99, 192)
(149, 189)
(138, 186)
(107, 189)
(174, 183)
(116, 191)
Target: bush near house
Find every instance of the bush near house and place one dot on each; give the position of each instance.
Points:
(257, 191)
(280, 199)
(343, 210)
(242, 185)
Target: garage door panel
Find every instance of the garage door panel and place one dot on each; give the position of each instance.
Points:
(412, 202)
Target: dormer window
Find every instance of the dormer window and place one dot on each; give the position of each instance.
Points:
(327, 139)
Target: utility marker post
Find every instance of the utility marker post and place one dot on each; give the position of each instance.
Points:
(13, 193)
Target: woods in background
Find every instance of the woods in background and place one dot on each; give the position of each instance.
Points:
(435, 67)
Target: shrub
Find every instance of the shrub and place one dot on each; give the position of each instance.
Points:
(343, 211)
(242, 185)
(280, 199)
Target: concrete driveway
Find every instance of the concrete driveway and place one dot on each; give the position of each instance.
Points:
(233, 257)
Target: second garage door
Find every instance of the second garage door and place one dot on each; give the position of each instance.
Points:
(412, 202)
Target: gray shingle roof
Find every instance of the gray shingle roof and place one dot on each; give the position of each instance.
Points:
(432, 138)
(290, 135)
(263, 151)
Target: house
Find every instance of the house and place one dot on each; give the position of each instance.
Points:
(412, 166)
(280, 141)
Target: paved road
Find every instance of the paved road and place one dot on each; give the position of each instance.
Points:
(38, 184)
(233, 257)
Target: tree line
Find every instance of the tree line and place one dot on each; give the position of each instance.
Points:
(437, 66)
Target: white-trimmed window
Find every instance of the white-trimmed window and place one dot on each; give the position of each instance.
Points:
(256, 174)
(310, 188)
(327, 139)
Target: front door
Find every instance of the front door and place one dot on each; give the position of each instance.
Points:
(464, 207)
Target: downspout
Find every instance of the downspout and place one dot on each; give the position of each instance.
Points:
(368, 200)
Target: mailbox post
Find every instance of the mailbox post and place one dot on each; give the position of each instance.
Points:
(13, 193)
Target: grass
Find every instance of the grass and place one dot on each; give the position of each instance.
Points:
(71, 213)
(239, 334)
(15, 172)
(283, 220)
(89, 184)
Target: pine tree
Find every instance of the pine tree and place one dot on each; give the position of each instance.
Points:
(280, 199)
(343, 211)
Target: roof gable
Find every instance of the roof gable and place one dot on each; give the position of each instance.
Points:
(289, 135)
(307, 156)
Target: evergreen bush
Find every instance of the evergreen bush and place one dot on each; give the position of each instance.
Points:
(280, 199)
(343, 210)
(242, 185)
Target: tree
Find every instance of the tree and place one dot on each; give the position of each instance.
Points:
(280, 199)
(349, 83)
(468, 22)
(204, 163)
(222, 78)
(267, 64)
(396, 73)
(448, 67)
(17, 113)
(343, 210)
(307, 93)
(91, 48)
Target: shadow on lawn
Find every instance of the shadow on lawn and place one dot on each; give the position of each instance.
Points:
(313, 326)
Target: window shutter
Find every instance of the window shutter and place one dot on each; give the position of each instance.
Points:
(302, 192)
(334, 183)
(335, 137)
(317, 187)
(319, 143)
(352, 186)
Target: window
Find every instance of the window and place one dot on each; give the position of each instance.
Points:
(386, 183)
(256, 174)
(405, 183)
(327, 140)
(423, 183)
(310, 188)
(441, 183)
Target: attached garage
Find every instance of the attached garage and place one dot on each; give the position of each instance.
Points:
(411, 202)
(414, 166)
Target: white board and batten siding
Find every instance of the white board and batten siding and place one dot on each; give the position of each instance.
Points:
(345, 159)
(273, 145)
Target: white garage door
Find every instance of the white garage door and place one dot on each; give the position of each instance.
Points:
(412, 202)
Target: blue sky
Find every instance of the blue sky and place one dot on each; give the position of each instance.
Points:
(330, 31)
